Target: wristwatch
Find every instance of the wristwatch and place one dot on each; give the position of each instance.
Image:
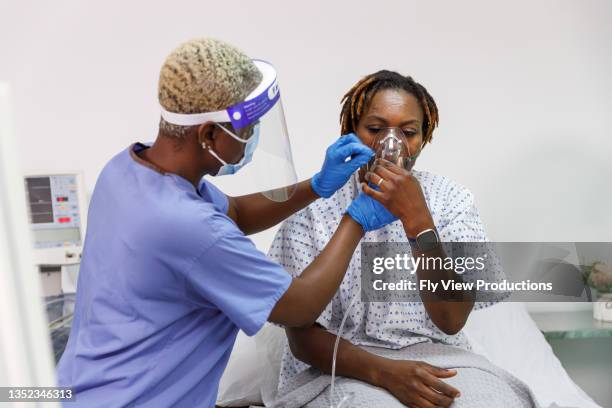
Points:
(425, 240)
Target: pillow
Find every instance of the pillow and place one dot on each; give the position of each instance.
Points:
(270, 343)
(241, 381)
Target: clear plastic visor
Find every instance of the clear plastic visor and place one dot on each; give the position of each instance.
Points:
(271, 170)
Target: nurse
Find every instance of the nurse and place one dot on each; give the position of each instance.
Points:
(168, 276)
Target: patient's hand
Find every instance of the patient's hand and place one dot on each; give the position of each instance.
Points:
(418, 384)
(400, 192)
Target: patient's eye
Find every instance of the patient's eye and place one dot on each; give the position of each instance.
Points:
(374, 129)
(409, 132)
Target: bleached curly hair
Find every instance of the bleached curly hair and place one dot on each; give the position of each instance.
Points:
(204, 75)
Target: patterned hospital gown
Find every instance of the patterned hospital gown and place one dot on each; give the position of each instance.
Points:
(391, 325)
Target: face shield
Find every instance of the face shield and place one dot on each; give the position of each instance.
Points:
(391, 144)
(271, 170)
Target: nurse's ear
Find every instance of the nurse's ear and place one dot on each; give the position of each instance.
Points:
(207, 133)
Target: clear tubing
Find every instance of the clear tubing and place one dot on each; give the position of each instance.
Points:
(345, 398)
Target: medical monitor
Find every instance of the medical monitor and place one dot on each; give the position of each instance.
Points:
(56, 209)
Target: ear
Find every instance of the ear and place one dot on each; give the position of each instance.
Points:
(206, 133)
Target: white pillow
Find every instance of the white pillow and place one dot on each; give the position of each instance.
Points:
(270, 343)
(241, 381)
(510, 339)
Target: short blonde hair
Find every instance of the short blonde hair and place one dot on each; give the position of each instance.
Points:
(204, 75)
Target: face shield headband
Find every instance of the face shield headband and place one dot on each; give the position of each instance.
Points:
(257, 104)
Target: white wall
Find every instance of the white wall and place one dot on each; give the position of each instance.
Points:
(523, 89)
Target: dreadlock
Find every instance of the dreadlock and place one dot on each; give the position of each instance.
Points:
(356, 99)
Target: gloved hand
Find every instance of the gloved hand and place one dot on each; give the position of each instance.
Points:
(336, 169)
(369, 213)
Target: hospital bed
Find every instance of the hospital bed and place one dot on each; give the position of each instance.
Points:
(504, 333)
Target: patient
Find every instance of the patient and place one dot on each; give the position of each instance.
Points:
(395, 353)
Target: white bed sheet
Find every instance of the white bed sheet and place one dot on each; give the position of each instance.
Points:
(509, 338)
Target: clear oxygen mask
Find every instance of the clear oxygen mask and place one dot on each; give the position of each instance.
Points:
(391, 144)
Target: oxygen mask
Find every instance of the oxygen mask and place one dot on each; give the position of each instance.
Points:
(391, 144)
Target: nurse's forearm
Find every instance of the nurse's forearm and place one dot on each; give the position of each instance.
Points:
(254, 212)
(310, 292)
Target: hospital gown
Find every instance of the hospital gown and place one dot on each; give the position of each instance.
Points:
(391, 325)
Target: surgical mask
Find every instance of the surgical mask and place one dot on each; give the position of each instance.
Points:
(251, 145)
(391, 144)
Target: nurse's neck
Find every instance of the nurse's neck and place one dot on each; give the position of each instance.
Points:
(182, 157)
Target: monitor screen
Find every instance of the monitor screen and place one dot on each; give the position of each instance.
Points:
(53, 204)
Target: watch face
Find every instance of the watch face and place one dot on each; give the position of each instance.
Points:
(427, 240)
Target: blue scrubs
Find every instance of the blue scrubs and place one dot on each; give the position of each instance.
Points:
(166, 281)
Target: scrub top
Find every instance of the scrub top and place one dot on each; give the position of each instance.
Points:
(166, 281)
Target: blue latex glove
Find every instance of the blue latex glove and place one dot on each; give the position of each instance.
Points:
(369, 213)
(336, 169)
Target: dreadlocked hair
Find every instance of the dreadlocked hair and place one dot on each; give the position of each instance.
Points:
(357, 98)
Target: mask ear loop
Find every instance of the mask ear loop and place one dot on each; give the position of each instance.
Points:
(205, 146)
(232, 134)
(213, 153)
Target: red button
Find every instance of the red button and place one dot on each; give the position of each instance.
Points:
(64, 219)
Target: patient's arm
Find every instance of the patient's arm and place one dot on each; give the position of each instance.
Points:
(449, 315)
(414, 383)
(401, 193)
(314, 345)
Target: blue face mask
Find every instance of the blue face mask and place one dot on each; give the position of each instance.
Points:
(251, 145)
